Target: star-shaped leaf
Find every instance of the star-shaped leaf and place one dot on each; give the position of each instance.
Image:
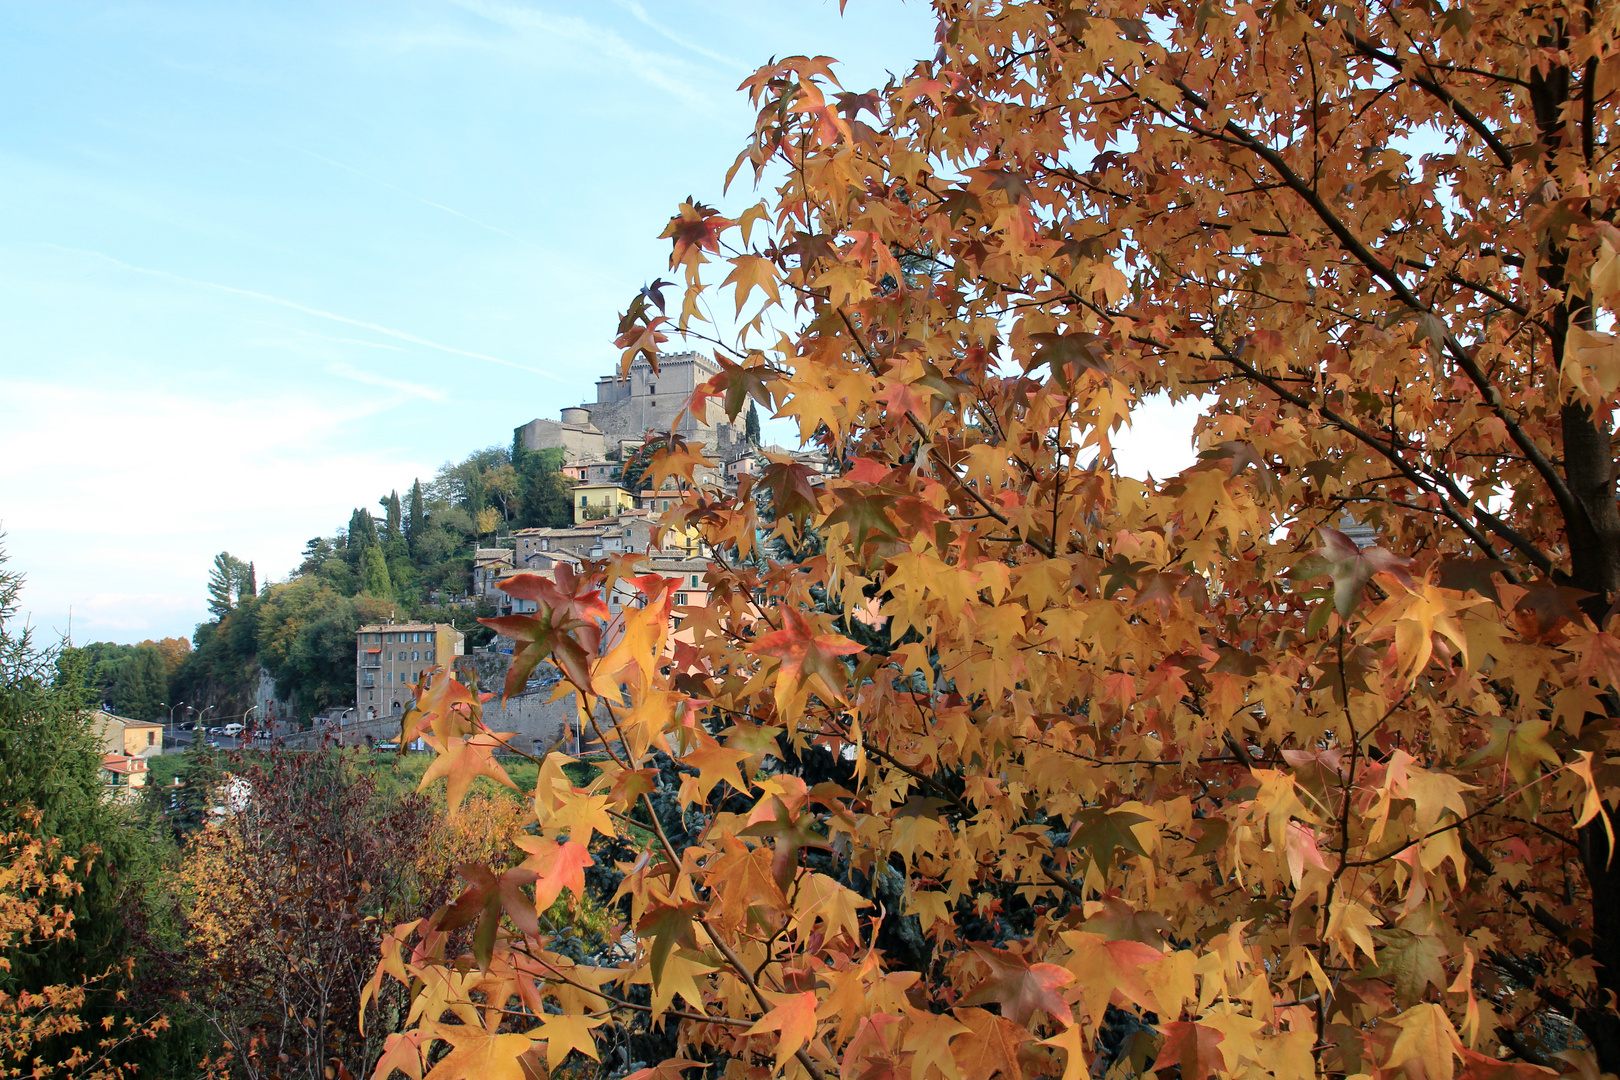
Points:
(804, 655)
(1021, 988)
(477, 1054)
(1194, 1047)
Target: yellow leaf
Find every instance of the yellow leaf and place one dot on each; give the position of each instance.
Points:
(565, 1033)
(1073, 1044)
(1426, 1037)
(794, 1019)
(1592, 361)
(477, 1054)
(1349, 928)
(752, 272)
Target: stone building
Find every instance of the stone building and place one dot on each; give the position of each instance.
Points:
(575, 435)
(489, 566)
(390, 656)
(628, 407)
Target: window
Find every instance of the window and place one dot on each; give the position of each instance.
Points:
(696, 581)
(389, 677)
(415, 655)
(371, 695)
(582, 500)
(151, 737)
(430, 656)
(370, 679)
(680, 598)
(652, 388)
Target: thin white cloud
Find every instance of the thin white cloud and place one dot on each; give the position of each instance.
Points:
(641, 16)
(347, 340)
(354, 374)
(412, 195)
(399, 335)
(666, 73)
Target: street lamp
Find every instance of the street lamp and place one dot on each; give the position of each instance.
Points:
(202, 723)
(173, 707)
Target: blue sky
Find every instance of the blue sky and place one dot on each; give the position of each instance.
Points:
(262, 262)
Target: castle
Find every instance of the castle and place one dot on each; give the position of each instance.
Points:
(626, 408)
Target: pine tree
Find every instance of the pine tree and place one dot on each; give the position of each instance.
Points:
(225, 582)
(194, 795)
(50, 762)
(249, 586)
(374, 573)
(751, 425)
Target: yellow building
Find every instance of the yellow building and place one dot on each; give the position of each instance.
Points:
(131, 738)
(593, 502)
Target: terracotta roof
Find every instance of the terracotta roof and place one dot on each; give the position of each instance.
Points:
(389, 628)
(119, 763)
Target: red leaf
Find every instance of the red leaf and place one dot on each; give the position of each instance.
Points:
(1021, 988)
(1192, 1046)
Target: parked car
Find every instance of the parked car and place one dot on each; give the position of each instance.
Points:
(386, 748)
(212, 730)
(262, 736)
(233, 730)
(187, 725)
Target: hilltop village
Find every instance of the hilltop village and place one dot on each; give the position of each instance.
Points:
(332, 651)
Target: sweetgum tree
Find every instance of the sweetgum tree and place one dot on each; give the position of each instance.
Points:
(1171, 774)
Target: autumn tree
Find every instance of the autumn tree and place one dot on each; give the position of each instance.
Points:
(45, 1032)
(1174, 773)
(283, 897)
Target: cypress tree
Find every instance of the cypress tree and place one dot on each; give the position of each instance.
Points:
(391, 515)
(751, 425)
(418, 518)
(374, 573)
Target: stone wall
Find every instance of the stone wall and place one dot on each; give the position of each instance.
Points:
(576, 443)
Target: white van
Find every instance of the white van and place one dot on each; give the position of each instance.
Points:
(233, 730)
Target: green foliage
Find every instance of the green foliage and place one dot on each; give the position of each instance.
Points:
(141, 685)
(306, 642)
(544, 493)
(391, 512)
(418, 518)
(200, 775)
(751, 425)
(374, 574)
